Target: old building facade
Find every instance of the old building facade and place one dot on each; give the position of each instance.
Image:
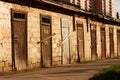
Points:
(50, 33)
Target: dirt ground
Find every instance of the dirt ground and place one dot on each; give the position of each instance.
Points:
(82, 71)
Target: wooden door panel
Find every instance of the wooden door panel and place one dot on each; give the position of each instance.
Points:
(65, 39)
(111, 43)
(103, 43)
(93, 44)
(65, 45)
(80, 40)
(19, 43)
(46, 45)
(118, 43)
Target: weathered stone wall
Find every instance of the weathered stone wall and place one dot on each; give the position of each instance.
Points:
(34, 52)
(73, 43)
(33, 29)
(33, 36)
(87, 38)
(5, 38)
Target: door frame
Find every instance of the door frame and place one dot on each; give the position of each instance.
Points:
(12, 37)
(101, 31)
(62, 40)
(111, 55)
(118, 32)
(93, 27)
(45, 16)
(79, 59)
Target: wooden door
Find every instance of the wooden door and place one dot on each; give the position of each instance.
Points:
(65, 41)
(103, 43)
(118, 42)
(80, 41)
(111, 42)
(93, 43)
(46, 44)
(19, 39)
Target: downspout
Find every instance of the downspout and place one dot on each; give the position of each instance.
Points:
(87, 24)
(74, 26)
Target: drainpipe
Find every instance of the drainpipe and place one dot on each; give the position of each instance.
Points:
(87, 24)
(74, 27)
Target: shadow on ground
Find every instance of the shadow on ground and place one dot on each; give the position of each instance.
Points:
(110, 75)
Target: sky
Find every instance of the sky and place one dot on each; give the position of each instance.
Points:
(117, 6)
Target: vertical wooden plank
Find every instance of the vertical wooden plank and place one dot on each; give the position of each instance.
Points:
(103, 43)
(111, 42)
(19, 39)
(118, 43)
(65, 39)
(46, 45)
(80, 40)
(93, 43)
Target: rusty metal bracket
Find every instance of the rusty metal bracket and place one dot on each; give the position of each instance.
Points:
(46, 38)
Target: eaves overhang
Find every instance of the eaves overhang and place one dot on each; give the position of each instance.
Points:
(66, 8)
(76, 10)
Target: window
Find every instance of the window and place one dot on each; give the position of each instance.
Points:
(19, 15)
(45, 20)
(79, 25)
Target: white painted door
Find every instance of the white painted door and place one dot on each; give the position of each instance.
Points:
(65, 40)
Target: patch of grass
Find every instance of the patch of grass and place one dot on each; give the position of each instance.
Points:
(111, 73)
(89, 61)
